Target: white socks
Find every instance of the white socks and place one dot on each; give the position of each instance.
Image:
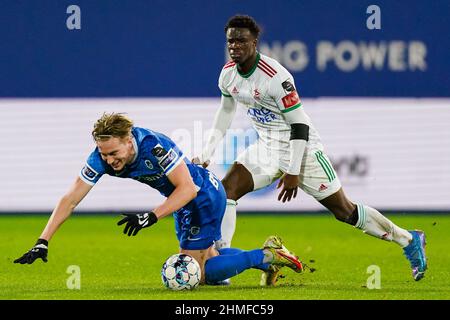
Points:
(370, 221)
(228, 225)
(375, 224)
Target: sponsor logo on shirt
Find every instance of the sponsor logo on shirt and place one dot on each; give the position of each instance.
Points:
(149, 178)
(89, 173)
(291, 99)
(256, 94)
(262, 115)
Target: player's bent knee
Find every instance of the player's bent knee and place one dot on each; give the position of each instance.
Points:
(342, 208)
(233, 195)
(233, 190)
(200, 257)
(237, 182)
(344, 214)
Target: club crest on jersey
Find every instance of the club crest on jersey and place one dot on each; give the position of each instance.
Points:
(195, 230)
(148, 164)
(291, 99)
(89, 173)
(256, 94)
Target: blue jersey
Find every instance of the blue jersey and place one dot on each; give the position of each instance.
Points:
(197, 224)
(156, 156)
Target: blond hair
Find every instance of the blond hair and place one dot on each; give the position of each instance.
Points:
(112, 125)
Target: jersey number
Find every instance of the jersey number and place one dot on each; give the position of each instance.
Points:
(213, 181)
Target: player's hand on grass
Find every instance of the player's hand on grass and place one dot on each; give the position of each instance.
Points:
(196, 160)
(39, 250)
(136, 222)
(290, 184)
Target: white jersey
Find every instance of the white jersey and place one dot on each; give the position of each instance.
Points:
(267, 91)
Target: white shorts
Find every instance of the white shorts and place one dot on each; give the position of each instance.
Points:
(317, 176)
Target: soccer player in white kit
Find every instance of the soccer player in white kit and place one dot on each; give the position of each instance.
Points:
(288, 147)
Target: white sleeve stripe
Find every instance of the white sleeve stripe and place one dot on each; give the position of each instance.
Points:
(86, 181)
(173, 166)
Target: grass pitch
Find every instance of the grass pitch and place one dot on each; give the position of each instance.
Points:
(115, 266)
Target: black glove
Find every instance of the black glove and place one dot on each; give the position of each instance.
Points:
(136, 222)
(39, 250)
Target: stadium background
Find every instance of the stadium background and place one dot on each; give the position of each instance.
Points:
(380, 99)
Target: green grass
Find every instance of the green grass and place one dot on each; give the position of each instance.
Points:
(114, 266)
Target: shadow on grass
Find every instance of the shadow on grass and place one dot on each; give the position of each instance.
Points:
(202, 289)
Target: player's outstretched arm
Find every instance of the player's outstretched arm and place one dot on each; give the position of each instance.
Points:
(222, 121)
(185, 191)
(61, 212)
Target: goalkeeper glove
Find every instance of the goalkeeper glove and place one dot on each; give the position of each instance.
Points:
(136, 222)
(39, 250)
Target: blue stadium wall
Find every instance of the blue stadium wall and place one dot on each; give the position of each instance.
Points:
(176, 48)
(378, 97)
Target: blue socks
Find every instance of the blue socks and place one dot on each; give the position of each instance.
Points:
(225, 251)
(231, 262)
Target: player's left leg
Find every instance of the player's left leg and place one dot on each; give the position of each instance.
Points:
(372, 222)
(218, 266)
(320, 181)
(363, 217)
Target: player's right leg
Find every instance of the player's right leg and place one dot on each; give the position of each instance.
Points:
(237, 182)
(253, 170)
(226, 263)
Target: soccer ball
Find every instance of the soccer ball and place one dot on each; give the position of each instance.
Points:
(181, 272)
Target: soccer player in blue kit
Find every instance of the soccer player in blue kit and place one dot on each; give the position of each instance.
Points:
(193, 194)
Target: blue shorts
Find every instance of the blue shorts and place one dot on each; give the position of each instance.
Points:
(198, 223)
